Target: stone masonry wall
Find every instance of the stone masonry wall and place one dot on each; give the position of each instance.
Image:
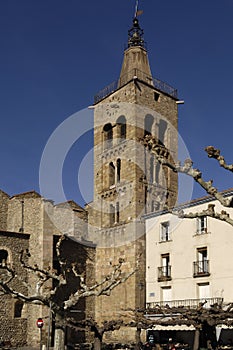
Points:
(125, 238)
(12, 328)
(4, 199)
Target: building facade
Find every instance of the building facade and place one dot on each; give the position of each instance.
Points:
(188, 259)
(30, 222)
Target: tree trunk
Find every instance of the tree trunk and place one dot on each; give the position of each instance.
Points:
(138, 339)
(59, 336)
(98, 342)
(196, 339)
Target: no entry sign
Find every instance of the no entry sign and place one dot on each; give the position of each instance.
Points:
(40, 323)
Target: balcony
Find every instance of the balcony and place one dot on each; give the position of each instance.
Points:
(141, 76)
(201, 268)
(189, 303)
(164, 273)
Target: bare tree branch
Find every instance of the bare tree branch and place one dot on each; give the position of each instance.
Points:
(215, 153)
(162, 155)
(210, 211)
(103, 287)
(46, 274)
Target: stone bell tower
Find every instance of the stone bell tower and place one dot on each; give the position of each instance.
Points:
(127, 180)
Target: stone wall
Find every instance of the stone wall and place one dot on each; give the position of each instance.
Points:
(29, 215)
(4, 199)
(123, 235)
(12, 327)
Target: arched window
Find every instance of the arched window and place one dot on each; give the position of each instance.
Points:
(152, 169)
(121, 124)
(111, 174)
(162, 130)
(112, 215)
(149, 120)
(118, 170)
(117, 219)
(157, 171)
(3, 256)
(18, 308)
(108, 134)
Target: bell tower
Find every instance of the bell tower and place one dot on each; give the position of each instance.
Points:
(127, 180)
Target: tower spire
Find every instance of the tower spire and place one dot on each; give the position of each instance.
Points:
(135, 55)
(135, 34)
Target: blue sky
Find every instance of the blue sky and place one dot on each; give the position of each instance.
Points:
(56, 55)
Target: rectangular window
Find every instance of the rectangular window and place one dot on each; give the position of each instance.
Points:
(164, 271)
(202, 225)
(156, 96)
(202, 260)
(204, 294)
(166, 295)
(201, 266)
(164, 232)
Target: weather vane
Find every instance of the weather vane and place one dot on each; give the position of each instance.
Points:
(137, 11)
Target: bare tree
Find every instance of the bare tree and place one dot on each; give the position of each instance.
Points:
(162, 156)
(98, 329)
(60, 290)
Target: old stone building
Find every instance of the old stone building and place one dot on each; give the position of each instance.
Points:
(31, 222)
(127, 180)
(13, 313)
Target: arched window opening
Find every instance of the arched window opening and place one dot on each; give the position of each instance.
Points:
(145, 198)
(117, 212)
(157, 171)
(162, 130)
(108, 135)
(18, 308)
(3, 257)
(152, 205)
(112, 215)
(118, 170)
(152, 169)
(149, 120)
(111, 174)
(121, 123)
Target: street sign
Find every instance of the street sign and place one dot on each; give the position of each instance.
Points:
(40, 323)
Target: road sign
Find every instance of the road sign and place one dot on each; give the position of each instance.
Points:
(40, 323)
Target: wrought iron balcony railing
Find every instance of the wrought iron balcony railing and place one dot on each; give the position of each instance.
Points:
(136, 74)
(189, 303)
(201, 268)
(164, 273)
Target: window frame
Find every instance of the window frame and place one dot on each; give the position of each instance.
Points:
(165, 234)
(201, 223)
